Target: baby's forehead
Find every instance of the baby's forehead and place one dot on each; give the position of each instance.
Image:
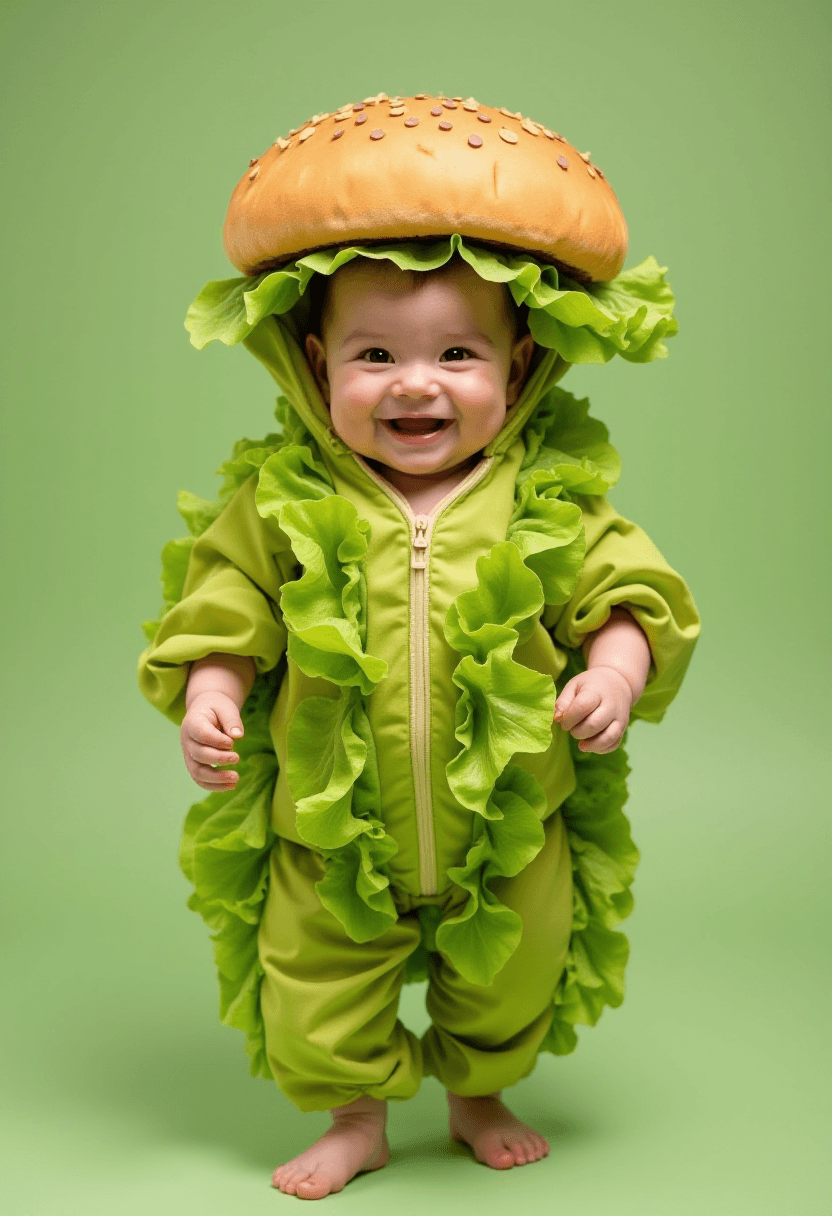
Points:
(384, 273)
(370, 280)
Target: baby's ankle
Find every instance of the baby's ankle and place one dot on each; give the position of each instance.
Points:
(473, 1097)
(363, 1109)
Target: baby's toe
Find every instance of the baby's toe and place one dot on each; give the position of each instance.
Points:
(496, 1153)
(314, 1186)
(291, 1178)
(536, 1147)
(279, 1177)
(517, 1146)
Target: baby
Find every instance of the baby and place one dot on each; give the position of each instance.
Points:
(406, 642)
(419, 372)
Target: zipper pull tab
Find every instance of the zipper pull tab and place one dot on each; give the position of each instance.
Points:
(419, 542)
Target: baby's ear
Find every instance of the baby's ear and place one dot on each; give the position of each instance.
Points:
(521, 357)
(316, 358)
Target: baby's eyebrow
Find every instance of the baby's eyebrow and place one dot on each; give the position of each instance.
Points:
(473, 333)
(366, 335)
(363, 334)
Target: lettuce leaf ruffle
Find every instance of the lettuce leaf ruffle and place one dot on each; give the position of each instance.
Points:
(604, 861)
(630, 316)
(332, 769)
(504, 708)
(331, 765)
(227, 838)
(226, 845)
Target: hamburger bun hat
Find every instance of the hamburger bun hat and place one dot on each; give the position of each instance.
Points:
(419, 180)
(419, 167)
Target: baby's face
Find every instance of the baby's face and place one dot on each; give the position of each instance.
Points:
(417, 377)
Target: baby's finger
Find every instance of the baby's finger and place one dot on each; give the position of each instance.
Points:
(212, 778)
(565, 699)
(201, 730)
(606, 741)
(229, 719)
(594, 723)
(211, 755)
(585, 701)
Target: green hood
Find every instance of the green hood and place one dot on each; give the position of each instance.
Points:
(273, 341)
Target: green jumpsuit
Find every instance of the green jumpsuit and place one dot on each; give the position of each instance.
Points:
(405, 808)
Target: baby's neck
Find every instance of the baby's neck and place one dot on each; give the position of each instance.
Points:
(425, 491)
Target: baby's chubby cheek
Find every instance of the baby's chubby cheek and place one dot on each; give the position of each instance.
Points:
(485, 416)
(479, 418)
(351, 410)
(356, 434)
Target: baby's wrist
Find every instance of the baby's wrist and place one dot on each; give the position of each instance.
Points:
(622, 678)
(622, 646)
(199, 695)
(225, 675)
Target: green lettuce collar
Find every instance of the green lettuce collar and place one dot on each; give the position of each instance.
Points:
(631, 315)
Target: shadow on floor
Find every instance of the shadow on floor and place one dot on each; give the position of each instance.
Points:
(197, 1091)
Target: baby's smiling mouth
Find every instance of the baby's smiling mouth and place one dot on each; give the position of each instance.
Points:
(421, 425)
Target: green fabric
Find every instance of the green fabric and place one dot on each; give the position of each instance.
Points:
(624, 566)
(331, 1007)
(199, 514)
(329, 1002)
(331, 767)
(292, 500)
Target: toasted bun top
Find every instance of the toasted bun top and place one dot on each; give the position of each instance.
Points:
(391, 169)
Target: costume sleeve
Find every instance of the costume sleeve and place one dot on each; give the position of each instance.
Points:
(229, 603)
(623, 566)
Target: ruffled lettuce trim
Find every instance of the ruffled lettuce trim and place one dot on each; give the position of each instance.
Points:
(604, 861)
(331, 766)
(564, 442)
(630, 316)
(227, 838)
(226, 846)
(504, 709)
(332, 770)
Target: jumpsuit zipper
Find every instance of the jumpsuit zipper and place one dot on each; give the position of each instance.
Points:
(421, 530)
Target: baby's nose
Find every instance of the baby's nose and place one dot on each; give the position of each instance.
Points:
(415, 380)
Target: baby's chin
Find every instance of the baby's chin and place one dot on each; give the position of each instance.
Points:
(440, 456)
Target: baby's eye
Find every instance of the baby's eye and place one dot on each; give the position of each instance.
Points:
(377, 354)
(454, 353)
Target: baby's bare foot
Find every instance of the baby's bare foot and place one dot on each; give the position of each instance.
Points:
(496, 1136)
(355, 1142)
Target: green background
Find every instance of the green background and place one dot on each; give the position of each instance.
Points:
(126, 126)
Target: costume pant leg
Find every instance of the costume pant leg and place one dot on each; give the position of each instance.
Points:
(330, 1003)
(486, 1038)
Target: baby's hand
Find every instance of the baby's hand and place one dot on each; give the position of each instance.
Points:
(209, 729)
(595, 708)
